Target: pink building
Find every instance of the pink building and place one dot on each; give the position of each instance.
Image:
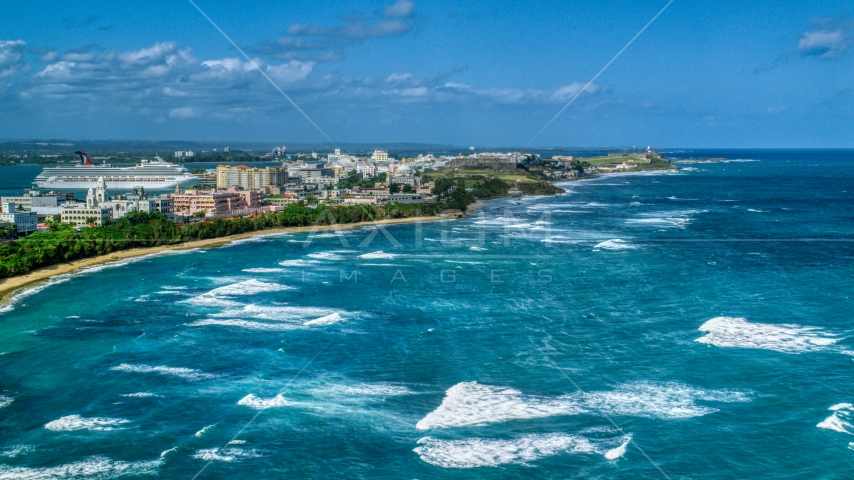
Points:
(215, 203)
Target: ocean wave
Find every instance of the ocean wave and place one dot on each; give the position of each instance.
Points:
(480, 452)
(17, 451)
(16, 297)
(615, 244)
(204, 430)
(840, 420)
(288, 313)
(298, 263)
(5, 401)
(247, 324)
(327, 320)
(248, 287)
(231, 454)
(668, 400)
(259, 403)
(185, 373)
(325, 256)
(263, 270)
(100, 468)
(379, 255)
(471, 403)
(730, 332)
(218, 297)
(73, 423)
(140, 395)
(366, 390)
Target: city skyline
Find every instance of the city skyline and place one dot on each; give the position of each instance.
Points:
(759, 75)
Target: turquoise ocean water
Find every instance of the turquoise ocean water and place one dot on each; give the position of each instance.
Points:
(690, 324)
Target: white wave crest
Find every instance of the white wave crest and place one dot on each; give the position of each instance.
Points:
(327, 320)
(185, 373)
(657, 400)
(140, 395)
(100, 468)
(298, 263)
(259, 403)
(263, 270)
(840, 420)
(367, 390)
(17, 450)
(5, 401)
(618, 452)
(247, 324)
(325, 256)
(205, 430)
(471, 403)
(786, 338)
(73, 423)
(230, 454)
(16, 297)
(479, 452)
(615, 244)
(248, 287)
(378, 255)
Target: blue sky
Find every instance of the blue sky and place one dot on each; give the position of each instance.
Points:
(705, 74)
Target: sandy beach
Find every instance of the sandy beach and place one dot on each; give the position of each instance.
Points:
(10, 285)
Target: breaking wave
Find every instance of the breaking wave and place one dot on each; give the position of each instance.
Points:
(327, 320)
(378, 255)
(185, 373)
(471, 403)
(100, 468)
(73, 423)
(5, 401)
(259, 403)
(840, 420)
(480, 452)
(230, 454)
(731, 332)
(615, 244)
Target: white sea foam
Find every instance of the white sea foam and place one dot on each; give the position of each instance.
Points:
(259, 403)
(185, 373)
(471, 403)
(100, 468)
(327, 320)
(205, 430)
(230, 454)
(840, 420)
(73, 423)
(298, 263)
(295, 314)
(367, 390)
(618, 452)
(478, 249)
(248, 287)
(263, 270)
(17, 450)
(247, 324)
(16, 297)
(325, 256)
(378, 255)
(5, 401)
(615, 244)
(786, 338)
(479, 452)
(657, 400)
(219, 297)
(140, 395)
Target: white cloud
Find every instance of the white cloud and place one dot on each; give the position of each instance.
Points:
(402, 8)
(183, 112)
(12, 62)
(834, 38)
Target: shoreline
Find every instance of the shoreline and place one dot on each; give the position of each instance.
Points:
(9, 286)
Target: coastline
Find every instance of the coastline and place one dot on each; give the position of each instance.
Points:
(11, 285)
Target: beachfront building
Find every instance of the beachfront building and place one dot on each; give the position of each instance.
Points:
(24, 222)
(81, 215)
(250, 178)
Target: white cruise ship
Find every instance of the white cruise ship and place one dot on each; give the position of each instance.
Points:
(149, 174)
